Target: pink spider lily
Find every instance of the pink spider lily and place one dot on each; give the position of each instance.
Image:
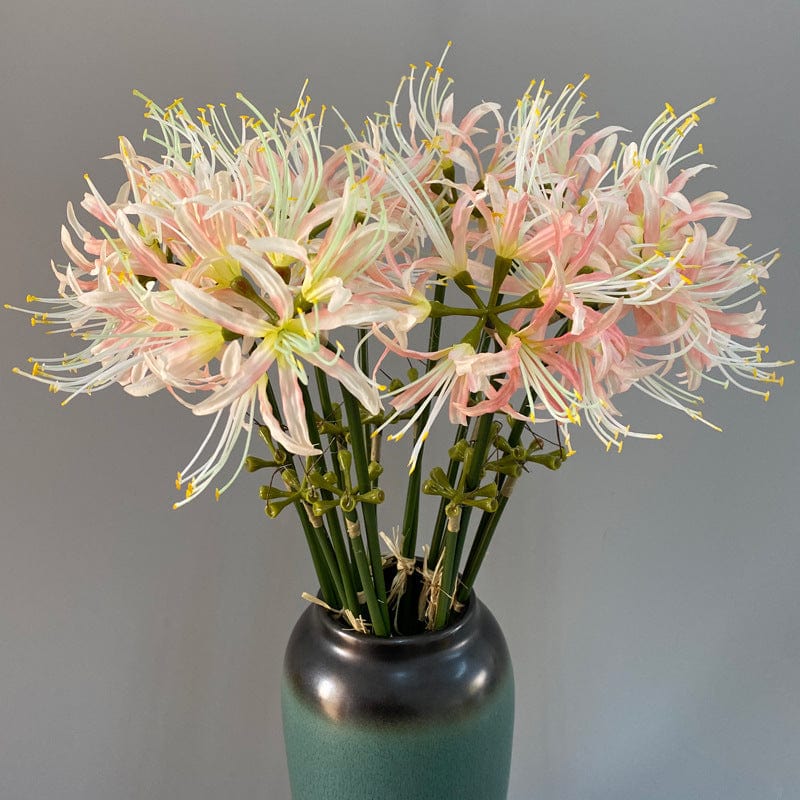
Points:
(286, 340)
(456, 373)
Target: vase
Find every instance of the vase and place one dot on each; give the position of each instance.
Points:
(416, 717)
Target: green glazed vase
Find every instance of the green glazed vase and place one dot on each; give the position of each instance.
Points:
(422, 717)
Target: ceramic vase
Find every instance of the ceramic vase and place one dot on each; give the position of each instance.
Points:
(422, 717)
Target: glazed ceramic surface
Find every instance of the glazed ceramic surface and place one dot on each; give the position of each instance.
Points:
(407, 718)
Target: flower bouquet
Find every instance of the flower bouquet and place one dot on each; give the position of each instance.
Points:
(510, 274)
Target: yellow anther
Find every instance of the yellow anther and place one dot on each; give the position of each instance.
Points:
(217, 494)
(766, 396)
(174, 506)
(659, 436)
(608, 445)
(424, 436)
(189, 489)
(178, 481)
(700, 149)
(37, 368)
(712, 100)
(586, 76)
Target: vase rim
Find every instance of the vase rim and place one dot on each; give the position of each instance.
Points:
(335, 627)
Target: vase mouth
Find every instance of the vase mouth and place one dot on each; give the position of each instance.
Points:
(463, 621)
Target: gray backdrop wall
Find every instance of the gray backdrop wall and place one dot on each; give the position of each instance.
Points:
(651, 600)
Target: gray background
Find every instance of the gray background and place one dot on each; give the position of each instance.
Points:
(651, 600)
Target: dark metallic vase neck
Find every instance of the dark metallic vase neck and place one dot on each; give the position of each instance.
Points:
(347, 675)
(335, 632)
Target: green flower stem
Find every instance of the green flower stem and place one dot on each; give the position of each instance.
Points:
(368, 510)
(455, 539)
(326, 584)
(483, 538)
(448, 569)
(323, 575)
(363, 363)
(346, 563)
(466, 283)
(502, 266)
(441, 516)
(376, 611)
(489, 520)
(411, 514)
(455, 518)
(330, 560)
(439, 310)
(530, 300)
(333, 545)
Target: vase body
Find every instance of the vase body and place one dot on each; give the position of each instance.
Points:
(406, 718)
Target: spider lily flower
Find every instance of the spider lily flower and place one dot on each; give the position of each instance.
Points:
(515, 228)
(287, 342)
(541, 133)
(427, 97)
(347, 250)
(456, 373)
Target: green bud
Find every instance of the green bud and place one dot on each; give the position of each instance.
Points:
(373, 496)
(345, 460)
(458, 452)
(375, 470)
(489, 504)
(274, 508)
(429, 487)
(489, 490)
(322, 507)
(290, 479)
(254, 463)
(551, 460)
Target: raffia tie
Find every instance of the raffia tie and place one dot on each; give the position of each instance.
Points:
(431, 588)
(356, 623)
(405, 569)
